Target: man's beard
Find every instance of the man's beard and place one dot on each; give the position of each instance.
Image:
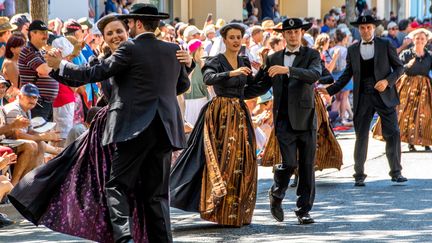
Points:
(132, 31)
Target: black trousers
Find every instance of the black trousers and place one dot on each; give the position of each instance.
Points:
(298, 151)
(146, 158)
(367, 106)
(43, 109)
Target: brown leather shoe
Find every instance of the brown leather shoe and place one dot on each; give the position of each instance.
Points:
(275, 208)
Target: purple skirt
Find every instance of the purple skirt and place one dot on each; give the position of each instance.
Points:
(68, 193)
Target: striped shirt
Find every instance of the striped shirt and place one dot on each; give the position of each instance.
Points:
(29, 60)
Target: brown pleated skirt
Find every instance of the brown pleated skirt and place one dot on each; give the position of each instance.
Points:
(328, 154)
(229, 182)
(414, 111)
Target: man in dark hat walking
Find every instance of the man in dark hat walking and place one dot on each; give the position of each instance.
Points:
(292, 73)
(144, 120)
(375, 67)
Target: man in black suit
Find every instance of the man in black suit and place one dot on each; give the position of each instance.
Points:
(144, 120)
(375, 67)
(292, 73)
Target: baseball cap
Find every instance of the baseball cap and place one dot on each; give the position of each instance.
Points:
(30, 90)
(391, 24)
(4, 81)
(37, 25)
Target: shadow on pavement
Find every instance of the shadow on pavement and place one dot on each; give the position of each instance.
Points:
(381, 211)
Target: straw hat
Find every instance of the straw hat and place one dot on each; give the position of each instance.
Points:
(420, 30)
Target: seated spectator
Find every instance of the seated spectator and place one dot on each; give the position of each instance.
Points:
(25, 151)
(27, 100)
(6, 186)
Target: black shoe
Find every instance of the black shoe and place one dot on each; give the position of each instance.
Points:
(5, 221)
(411, 148)
(428, 148)
(275, 207)
(399, 179)
(126, 239)
(359, 182)
(305, 219)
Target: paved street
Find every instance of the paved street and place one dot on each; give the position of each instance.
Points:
(379, 212)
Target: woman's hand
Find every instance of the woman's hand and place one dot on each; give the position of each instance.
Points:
(240, 71)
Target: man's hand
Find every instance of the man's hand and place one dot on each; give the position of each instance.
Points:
(53, 58)
(20, 122)
(50, 136)
(184, 58)
(240, 71)
(276, 70)
(381, 85)
(256, 65)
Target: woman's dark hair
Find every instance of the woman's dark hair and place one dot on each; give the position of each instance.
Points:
(13, 42)
(339, 35)
(224, 30)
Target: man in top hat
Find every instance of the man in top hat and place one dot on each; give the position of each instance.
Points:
(375, 67)
(292, 73)
(146, 80)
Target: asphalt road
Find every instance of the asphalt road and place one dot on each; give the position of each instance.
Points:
(381, 211)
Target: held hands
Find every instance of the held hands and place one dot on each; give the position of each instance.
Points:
(7, 159)
(53, 58)
(240, 71)
(381, 85)
(184, 58)
(277, 69)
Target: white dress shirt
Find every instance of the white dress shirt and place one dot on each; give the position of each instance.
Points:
(367, 51)
(289, 60)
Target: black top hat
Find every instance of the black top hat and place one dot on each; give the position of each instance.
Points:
(294, 23)
(144, 11)
(367, 19)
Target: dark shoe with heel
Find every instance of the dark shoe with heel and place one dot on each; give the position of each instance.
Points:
(305, 219)
(399, 179)
(359, 182)
(5, 221)
(411, 148)
(276, 208)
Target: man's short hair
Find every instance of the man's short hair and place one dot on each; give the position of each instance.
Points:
(149, 24)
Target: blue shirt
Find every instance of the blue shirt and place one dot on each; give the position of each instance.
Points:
(87, 52)
(267, 8)
(394, 41)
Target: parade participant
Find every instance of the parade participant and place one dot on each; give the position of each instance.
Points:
(217, 174)
(292, 73)
(329, 153)
(159, 118)
(415, 93)
(375, 67)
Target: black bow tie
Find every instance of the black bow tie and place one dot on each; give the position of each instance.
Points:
(367, 43)
(292, 53)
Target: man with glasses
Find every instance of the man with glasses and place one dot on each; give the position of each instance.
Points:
(33, 69)
(329, 23)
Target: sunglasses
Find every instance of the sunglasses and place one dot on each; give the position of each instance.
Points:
(393, 28)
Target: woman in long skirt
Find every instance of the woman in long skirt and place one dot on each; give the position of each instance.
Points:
(415, 93)
(217, 174)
